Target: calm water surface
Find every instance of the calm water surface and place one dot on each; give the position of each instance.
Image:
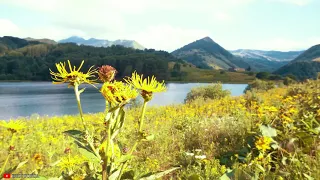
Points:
(43, 98)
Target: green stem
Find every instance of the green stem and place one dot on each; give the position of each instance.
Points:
(142, 115)
(5, 163)
(77, 93)
(143, 111)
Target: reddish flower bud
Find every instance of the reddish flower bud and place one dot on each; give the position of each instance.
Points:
(107, 73)
(11, 148)
(67, 151)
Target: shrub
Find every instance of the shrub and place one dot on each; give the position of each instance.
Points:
(287, 81)
(250, 73)
(213, 91)
(260, 85)
(263, 75)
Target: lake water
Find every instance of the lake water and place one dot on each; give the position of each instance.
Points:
(44, 98)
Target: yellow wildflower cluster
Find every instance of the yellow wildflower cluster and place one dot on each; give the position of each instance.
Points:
(263, 143)
(117, 92)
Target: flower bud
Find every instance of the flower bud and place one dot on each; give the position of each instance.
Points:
(107, 73)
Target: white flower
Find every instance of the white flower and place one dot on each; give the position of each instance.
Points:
(189, 154)
(201, 157)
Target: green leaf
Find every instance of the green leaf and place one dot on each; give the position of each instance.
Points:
(128, 175)
(81, 90)
(16, 167)
(54, 163)
(158, 174)
(194, 177)
(124, 158)
(260, 167)
(228, 175)
(284, 160)
(268, 131)
(44, 178)
(114, 175)
(150, 137)
(308, 177)
(75, 134)
(89, 155)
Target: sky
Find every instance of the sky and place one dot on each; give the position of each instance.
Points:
(283, 25)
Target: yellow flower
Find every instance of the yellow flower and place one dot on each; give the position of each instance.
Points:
(117, 92)
(13, 126)
(147, 86)
(71, 162)
(74, 76)
(263, 143)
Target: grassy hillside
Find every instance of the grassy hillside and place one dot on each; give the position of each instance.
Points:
(189, 73)
(263, 134)
(304, 66)
(205, 53)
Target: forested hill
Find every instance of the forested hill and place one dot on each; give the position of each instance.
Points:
(31, 60)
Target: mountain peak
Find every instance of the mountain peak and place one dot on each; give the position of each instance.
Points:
(207, 38)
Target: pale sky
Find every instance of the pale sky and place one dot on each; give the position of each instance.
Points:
(169, 24)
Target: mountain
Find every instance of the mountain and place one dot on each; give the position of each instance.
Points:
(102, 42)
(47, 41)
(30, 60)
(306, 65)
(205, 53)
(266, 60)
(267, 55)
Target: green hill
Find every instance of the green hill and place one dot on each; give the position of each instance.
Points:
(305, 66)
(207, 54)
(30, 60)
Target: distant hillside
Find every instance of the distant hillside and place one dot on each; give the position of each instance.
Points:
(30, 60)
(267, 55)
(102, 42)
(205, 53)
(306, 65)
(266, 60)
(47, 41)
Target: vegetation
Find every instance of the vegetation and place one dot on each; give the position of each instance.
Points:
(30, 60)
(260, 85)
(213, 91)
(270, 134)
(305, 66)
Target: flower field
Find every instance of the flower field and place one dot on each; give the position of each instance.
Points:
(272, 134)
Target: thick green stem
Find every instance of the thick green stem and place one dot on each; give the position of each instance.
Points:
(142, 115)
(143, 111)
(5, 163)
(77, 93)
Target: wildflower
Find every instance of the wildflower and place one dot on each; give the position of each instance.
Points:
(117, 92)
(263, 143)
(147, 86)
(71, 162)
(13, 126)
(189, 154)
(200, 157)
(67, 150)
(72, 77)
(107, 73)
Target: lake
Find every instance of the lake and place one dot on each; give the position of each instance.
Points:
(26, 98)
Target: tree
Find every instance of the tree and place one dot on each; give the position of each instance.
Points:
(263, 75)
(249, 68)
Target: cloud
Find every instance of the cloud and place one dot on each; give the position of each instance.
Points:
(295, 2)
(7, 27)
(282, 44)
(166, 37)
